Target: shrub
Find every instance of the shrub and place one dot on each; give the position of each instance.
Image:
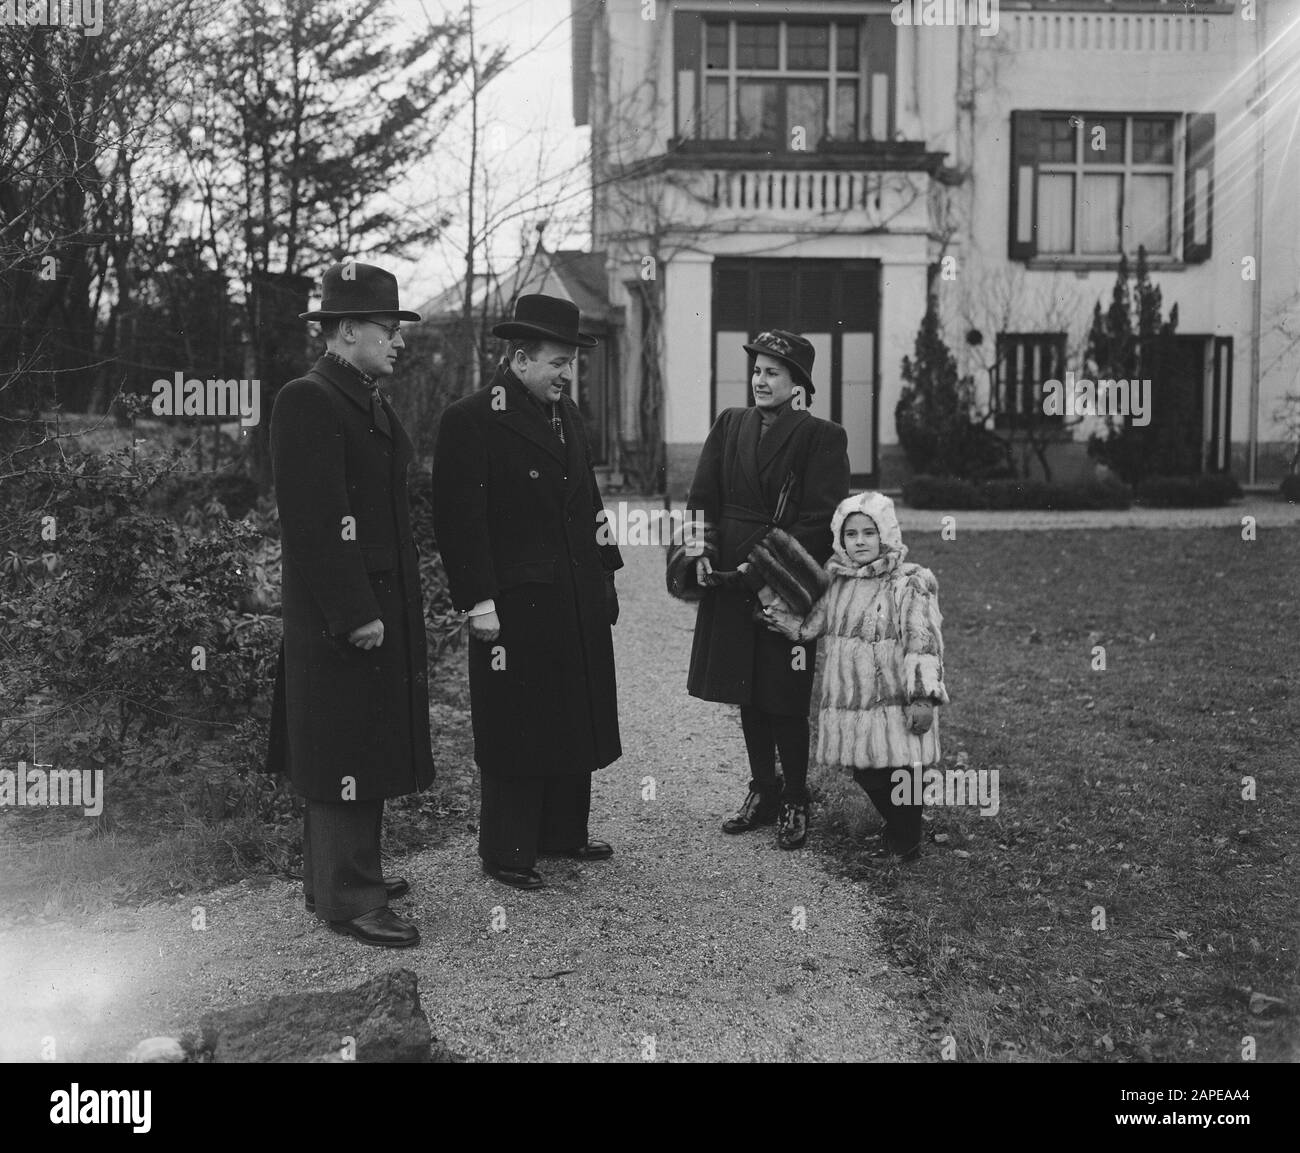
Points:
(1290, 487)
(942, 492)
(182, 491)
(113, 625)
(935, 414)
(926, 492)
(1208, 490)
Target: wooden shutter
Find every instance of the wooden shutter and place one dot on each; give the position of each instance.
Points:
(1023, 232)
(687, 65)
(1198, 188)
(878, 75)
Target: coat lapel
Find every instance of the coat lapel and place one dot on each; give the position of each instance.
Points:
(575, 465)
(769, 448)
(747, 451)
(349, 384)
(522, 417)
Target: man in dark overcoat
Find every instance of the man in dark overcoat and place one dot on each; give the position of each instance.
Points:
(518, 515)
(350, 719)
(749, 456)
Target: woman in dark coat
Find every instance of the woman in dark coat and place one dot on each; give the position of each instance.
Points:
(750, 455)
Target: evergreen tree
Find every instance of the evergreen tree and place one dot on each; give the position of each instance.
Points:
(935, 412)
(1131, 342)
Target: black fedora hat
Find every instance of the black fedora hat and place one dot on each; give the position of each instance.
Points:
(352, 289)
(541, 317)
(791, 349)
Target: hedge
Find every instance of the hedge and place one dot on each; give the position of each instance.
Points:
(943, 492)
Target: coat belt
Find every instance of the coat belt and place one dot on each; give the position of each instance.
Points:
(749, 515)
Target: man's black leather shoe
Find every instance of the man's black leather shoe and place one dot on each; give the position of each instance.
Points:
(380, 926)
(394, 887)
(518, 878)
(592, 851)
(757, 810)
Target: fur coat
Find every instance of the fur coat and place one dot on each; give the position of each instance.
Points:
(884, 649)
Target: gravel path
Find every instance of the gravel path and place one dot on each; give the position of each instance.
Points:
(681, 946)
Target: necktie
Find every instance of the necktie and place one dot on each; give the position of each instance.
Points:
(556, 423)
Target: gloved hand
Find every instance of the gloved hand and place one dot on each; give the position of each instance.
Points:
(781, 620)
(920, 716)
(611, 599)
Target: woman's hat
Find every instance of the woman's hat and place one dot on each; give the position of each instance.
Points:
(352, 289)
(791, 349)
(541, 317)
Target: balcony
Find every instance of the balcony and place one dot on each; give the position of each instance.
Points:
(805, 200)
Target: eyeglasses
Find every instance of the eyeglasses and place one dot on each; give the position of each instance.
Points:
(390, 330)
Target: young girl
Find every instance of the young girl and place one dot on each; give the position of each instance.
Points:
(883, 672)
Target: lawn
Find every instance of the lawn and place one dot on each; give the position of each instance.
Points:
(1121, 791)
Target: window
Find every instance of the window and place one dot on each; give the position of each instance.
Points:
(1088, 186)
(1026, 360)
(797, 85)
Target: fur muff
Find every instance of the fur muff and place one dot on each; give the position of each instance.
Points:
(786, 568)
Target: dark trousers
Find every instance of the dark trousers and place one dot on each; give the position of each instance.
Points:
(520, 817)
(340, 857)
(766, 735)
(902, 821)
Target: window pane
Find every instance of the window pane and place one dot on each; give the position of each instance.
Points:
(1149, 215)
(756, 45)
(846, 110)
(756, 110)
(846, 47)
(1103, 141)
(1056, 140)
(808, 47)
(805, 107)
(1055, 212)
(1099, 213)
(716, 46)
(715, 110)
(1153, 142)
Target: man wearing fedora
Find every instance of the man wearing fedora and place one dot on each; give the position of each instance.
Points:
(350, 719)
(516, 513)
(756, 459)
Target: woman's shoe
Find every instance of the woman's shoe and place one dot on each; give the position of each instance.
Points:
(757, 810)
(889, 852)
(794, 826)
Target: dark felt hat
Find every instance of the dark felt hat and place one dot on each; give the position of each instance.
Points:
(541, 317)
(352, 289)
(791, 349)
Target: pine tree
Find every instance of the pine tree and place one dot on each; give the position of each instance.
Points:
(1132, 342)
(935, 412)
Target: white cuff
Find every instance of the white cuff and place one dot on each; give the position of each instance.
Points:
(483, 608)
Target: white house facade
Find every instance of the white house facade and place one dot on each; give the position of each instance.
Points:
(826, 165)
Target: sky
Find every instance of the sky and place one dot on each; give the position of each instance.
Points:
(528, 137)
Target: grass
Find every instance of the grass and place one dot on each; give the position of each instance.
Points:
(195, 826)
(1119, 789)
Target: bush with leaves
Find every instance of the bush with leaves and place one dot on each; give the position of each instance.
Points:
(139, 623)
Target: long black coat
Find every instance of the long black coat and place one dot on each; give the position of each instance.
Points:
(340, 711)
(515, 513)
(736, 487)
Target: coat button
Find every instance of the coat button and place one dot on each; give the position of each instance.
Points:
(532, 472)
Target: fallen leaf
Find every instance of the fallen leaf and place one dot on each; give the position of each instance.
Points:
(1262, 1005)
